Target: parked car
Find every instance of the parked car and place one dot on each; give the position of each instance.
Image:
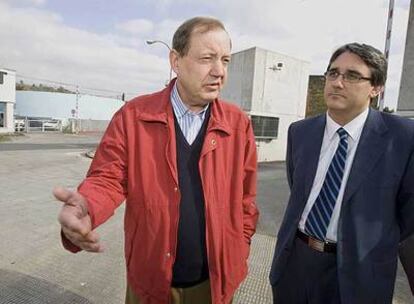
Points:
(51, 125)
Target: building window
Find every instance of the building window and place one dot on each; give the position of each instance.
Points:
(2, 77)
(2, 112)
(265, 126)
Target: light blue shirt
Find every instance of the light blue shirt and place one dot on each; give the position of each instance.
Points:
(189, 121)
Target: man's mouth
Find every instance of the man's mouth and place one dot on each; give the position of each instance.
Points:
(213, 85)
(336, 95)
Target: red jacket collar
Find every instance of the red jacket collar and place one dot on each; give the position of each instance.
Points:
(162, 111)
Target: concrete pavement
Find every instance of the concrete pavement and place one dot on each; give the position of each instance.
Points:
(34, 268)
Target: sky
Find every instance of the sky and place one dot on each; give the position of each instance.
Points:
(100, 44)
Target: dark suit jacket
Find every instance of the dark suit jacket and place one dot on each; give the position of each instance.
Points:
(407, 259)
(377, 209)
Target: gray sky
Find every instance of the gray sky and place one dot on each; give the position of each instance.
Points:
(101, 43)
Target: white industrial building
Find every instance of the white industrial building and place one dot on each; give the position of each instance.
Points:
(92, 113)
(7, 99)
(271, 88)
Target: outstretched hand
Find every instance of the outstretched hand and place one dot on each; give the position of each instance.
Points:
(75, 220)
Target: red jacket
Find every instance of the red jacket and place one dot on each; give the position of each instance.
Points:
(136, 161)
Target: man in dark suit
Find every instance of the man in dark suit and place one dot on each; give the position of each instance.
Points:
(351, 175)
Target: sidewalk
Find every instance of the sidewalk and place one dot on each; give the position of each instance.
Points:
(34, 268)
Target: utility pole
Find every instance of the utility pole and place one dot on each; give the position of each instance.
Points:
(406, 96)
(77, 129)
(387, 48)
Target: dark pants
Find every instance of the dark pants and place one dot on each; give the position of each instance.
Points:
(198, 294)
(310, 277)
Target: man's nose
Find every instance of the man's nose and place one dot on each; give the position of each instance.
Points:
(218, 69)
(339, 81)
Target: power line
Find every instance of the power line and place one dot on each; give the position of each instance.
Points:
(72, 85)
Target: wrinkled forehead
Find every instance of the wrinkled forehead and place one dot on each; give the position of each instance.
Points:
(204, 31)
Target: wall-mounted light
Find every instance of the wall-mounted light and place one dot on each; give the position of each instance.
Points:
(276, 67)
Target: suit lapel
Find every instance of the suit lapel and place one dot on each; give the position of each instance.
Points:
(370, 148)
(312, 146)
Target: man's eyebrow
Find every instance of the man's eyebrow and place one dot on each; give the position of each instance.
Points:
(353, 71)
(208, 53)
(346, 71)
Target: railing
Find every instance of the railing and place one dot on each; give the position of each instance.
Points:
(38, 125)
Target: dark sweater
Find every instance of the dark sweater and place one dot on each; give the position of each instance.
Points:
(190, 267)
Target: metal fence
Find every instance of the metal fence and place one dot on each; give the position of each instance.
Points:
(38, 125)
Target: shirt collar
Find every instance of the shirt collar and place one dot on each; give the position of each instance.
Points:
(180, 108)
(353, 128)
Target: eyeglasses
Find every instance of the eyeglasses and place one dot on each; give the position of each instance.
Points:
(350, 77)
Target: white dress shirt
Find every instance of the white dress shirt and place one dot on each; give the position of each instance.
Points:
(329, 145)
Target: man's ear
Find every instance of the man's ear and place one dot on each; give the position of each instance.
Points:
(174, 56)
(376, 91)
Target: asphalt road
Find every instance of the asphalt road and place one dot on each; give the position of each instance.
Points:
(32, 165)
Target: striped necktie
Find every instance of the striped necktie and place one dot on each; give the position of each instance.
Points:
(320, 214)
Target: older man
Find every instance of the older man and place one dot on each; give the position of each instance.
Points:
(185, 161)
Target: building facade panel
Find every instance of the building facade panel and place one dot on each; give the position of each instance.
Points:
(277, 87)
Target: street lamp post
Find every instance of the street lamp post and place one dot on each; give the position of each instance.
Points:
(149, 42)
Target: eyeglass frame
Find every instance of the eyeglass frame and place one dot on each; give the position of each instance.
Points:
(344, 77)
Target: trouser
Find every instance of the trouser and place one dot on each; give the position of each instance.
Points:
(198, 294)
(310, 277)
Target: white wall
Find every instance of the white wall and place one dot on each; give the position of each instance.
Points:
(279, 92)
(261, 88)
(60, 105)
(8, 96)
(239, 86)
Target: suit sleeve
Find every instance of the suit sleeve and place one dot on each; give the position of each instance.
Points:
(289, 162)
(406, 220)
(406, 198)
(250, 211)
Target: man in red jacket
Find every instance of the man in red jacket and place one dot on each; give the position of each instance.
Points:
(185, 163)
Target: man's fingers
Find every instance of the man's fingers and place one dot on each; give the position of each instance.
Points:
(89, 242)
(89, 237)
(74, 219)
(69, 197)
(62, 194)
(92, 247)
